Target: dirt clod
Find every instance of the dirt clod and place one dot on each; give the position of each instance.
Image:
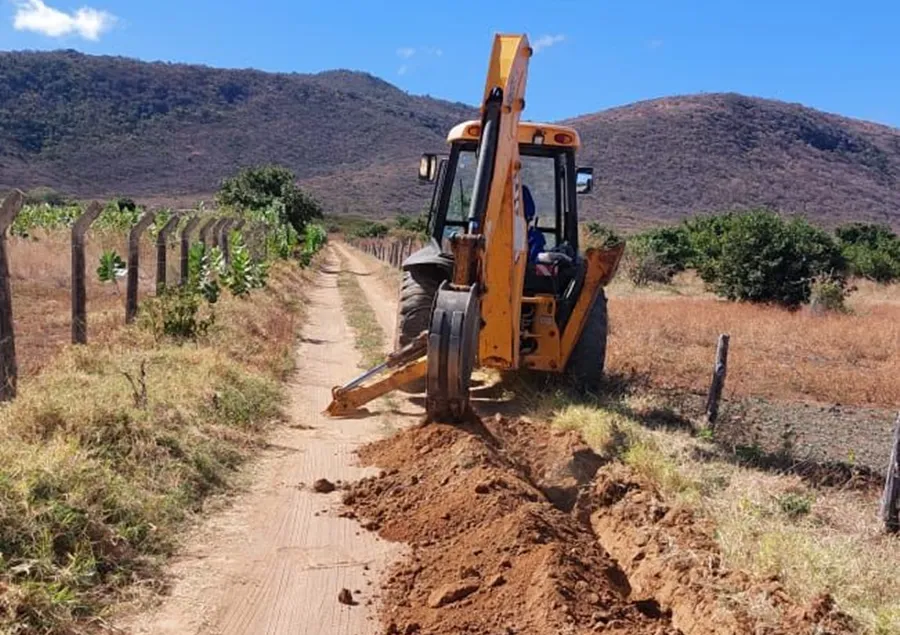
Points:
(323, 486)
(346, 597)
(496, 580)
(450, 593)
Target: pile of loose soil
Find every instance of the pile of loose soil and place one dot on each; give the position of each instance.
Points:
(501, 518)
(669, 552)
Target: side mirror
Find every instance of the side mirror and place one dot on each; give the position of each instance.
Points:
(584, 180)
(428, 167)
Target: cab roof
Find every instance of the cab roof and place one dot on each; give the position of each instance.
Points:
(554, 135)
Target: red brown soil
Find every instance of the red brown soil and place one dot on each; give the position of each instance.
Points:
(669, 552)
(498, 515)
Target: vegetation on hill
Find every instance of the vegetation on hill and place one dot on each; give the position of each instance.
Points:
(106, 126)
(760, 256)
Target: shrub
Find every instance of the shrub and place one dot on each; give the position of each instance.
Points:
(601, 236)
(760, 257)
(263, 187)
(413, 224)
(872, 251)
(178, 312)
(828, 295)
(670, 246)
(642, 265)
(705, 236)
(371, 229)
(45, 196)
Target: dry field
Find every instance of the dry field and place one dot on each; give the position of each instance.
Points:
(669, 335)
(41, 278)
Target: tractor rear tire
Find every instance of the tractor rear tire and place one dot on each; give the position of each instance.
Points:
(418, 289)
(587, 361)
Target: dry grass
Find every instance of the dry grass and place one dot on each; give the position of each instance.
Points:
(848, 359)
(95, 486)
(814, 540)
(369, 337)
(41, 278)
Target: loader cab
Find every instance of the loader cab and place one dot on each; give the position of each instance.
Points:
(550, 173)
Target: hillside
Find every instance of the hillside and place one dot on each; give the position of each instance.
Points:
(662, 158)
(100, 126)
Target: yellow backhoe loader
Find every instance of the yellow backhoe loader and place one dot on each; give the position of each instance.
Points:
(502, 283)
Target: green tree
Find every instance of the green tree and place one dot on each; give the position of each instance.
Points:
(669, 247)
(602, 236)
(760, 257)
(258, 188)
(872, 250)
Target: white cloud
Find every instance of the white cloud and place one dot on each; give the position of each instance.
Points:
(546, 41)
(655, 44)
(34, 15)
(406, 52)
(402, 70)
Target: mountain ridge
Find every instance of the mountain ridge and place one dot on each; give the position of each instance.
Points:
(95, 126)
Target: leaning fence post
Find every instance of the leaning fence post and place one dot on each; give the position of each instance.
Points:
(162, 248)
(79, 286)
(718, 380)
(186, 247)
(890, 502)
(10, 208)
(134, 251)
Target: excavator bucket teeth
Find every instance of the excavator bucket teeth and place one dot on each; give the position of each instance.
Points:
(452, 348)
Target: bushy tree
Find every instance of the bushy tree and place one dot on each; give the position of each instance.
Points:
(371, 229)
(761, 257)
(601, 236)
(257, 188)
(669, 248)
(414, 224)
(872, 251)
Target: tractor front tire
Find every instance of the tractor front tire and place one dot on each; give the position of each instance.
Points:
(587, 361)
(418, 289)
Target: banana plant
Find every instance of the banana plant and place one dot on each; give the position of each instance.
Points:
(111, 268)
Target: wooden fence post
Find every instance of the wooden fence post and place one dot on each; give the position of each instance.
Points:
(186, 247)
(162, 248)
(890, 502)
(10, 208)
(79, 286)
(718, 380)
(134, 256)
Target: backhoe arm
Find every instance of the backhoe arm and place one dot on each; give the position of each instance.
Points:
(406, 365)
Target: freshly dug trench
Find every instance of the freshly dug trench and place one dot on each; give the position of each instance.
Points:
(503, 531)
(490, 553)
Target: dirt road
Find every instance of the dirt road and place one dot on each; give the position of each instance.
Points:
(277, 560)
(499, 525)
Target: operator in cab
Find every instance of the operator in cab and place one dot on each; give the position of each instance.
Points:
(536, 240)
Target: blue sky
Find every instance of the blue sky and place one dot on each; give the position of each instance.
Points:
(839, 56)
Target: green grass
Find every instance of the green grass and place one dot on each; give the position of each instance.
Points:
(370, 338)
(96, 487)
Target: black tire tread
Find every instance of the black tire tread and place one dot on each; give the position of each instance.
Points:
(417, 291)
(588, 360)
